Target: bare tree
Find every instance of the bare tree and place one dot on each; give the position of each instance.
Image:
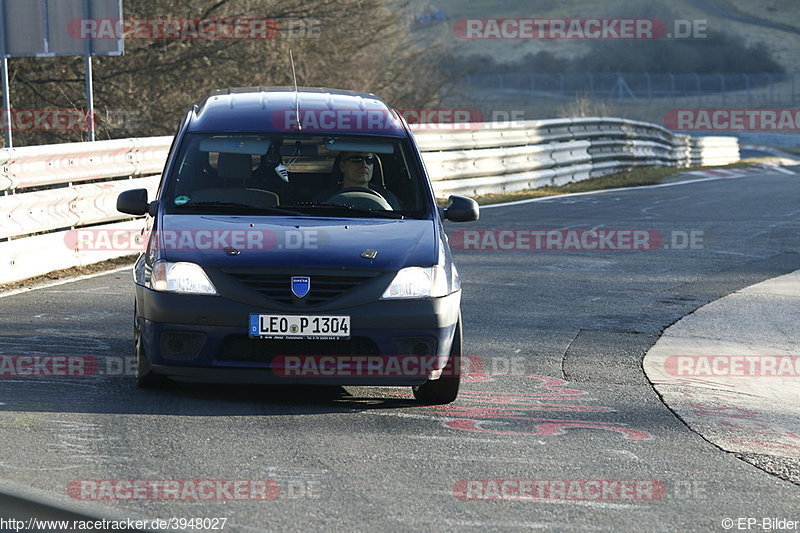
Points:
(364, 45)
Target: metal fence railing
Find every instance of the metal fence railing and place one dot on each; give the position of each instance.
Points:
(538, 153)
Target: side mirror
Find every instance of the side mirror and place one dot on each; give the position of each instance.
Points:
(133, 202)
(462, 209)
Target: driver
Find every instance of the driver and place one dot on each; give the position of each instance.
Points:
(354, 169)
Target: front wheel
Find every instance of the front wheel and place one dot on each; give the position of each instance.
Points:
(445, 389)
(145, 378)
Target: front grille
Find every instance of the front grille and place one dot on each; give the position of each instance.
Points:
(324, 287)
(244, 348)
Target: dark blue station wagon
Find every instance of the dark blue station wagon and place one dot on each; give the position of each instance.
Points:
(295, 238)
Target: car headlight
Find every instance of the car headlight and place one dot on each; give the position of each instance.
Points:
(417, 282)
(184, 278)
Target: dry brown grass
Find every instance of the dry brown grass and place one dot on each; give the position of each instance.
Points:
(631, 178)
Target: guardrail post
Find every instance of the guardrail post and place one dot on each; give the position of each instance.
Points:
(7, 104)
(698, 91)
(749, 94)
(771, 89)
(672, 86)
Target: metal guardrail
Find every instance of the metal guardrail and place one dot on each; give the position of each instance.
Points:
(710, 151)
(538, 153)
(46, 192)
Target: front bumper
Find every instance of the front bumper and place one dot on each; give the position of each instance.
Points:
(196, 338)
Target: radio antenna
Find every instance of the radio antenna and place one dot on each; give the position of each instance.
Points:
(296, 93)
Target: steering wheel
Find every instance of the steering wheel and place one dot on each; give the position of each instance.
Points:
(359, 196)
(361, 189)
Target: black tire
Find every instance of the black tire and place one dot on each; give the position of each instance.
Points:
(145, 378)
(445, 389)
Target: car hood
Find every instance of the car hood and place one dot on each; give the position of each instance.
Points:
(252, 241)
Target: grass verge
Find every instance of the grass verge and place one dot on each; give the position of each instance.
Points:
(67, 273)
(629, 178)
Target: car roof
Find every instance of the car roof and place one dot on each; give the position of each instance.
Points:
(268, 109)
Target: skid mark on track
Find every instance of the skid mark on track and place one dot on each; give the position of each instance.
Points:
(66, 444)
(48, 344)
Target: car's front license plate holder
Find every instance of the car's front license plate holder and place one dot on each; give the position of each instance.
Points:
(313, 327)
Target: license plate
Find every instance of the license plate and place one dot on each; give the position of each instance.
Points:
(300, 327)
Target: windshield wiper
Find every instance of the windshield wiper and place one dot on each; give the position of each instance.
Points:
(235, 205)
(348, 209)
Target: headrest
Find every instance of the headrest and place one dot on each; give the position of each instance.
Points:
(234, 166)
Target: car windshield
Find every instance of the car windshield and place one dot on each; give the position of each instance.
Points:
(297, 175)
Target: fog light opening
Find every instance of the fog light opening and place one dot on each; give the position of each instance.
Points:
(420, 348)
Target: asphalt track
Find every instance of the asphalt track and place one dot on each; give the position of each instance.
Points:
(556, 392)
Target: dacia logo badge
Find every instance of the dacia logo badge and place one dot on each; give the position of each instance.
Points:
(301, 285)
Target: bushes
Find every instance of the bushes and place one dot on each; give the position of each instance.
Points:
(718, 54)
